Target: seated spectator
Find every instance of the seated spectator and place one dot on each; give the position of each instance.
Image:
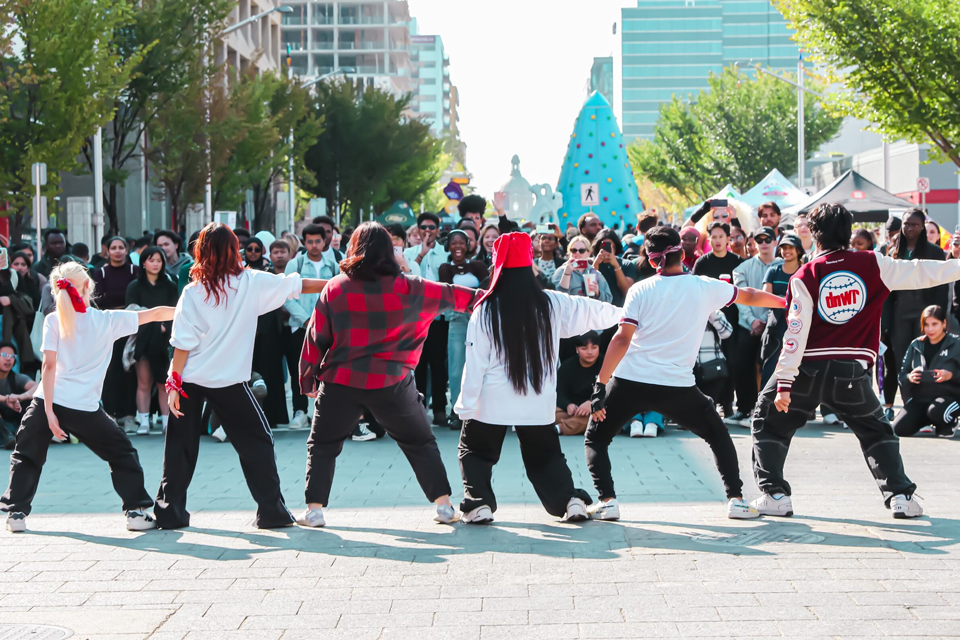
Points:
(930, 379)
(16, 390)
(575, 384)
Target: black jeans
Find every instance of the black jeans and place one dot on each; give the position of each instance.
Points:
(918, 413)
(847, 387)
(246, 426)
(399, 411)
(546, 466)
(292, 346)
(434, 356)
(95, 429)
(686, 406)
(745, 360)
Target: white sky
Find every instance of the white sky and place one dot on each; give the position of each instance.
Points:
(522, 68)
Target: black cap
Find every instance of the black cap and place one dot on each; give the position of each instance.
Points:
(793, 240)
(770, 232)
(893, 224)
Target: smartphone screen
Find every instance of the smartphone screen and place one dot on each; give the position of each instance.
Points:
(398, 251)
(718, 203)
(544, 228)
(582, 264)
(607, 246)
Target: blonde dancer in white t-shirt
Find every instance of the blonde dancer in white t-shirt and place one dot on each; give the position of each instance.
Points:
(77, 345)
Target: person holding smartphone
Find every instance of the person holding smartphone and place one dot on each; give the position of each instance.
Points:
(619, 275)
(930, 379)
(578, 277)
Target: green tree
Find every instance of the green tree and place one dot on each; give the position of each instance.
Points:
(898, 62)
(735, 132)
(171, 34)
(57, 88)
(370, 149)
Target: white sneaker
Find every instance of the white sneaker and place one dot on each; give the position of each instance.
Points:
(636, 429)
(905, 506)
(312, 518)
(220, 435)
(927, 430)
(446, 514)
(650, 430)
(300, 421)
(129, 425)
(143, 429)
(480, 515)
(778, 504)
(576, 511)
(740, 509)
(138, 520)
(601, 510)
(830, 418)
(16, 522)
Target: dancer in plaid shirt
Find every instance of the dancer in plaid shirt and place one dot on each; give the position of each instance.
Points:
(362, 346)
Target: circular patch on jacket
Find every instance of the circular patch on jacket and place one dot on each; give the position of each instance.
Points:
(795, 307)
(794, 325)
(790, 345)
(843, 295)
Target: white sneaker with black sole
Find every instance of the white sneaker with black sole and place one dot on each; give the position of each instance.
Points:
(650, 430)
(138, 520)
(778, 504)
(904, 507)
(16, 522)
(312, 518)
(601, 510)
(740, 509)
(362, 433)
(576, 511)
(481, 515)
(636, 429)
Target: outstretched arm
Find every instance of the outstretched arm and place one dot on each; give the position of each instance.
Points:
(916, 274)
(157, 314)
(755, 298)
(312, 285)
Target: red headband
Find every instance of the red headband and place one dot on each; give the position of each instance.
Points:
(510, 251)
(65, 285)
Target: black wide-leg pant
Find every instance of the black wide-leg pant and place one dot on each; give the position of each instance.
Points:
(546, 466)
(95, 429)
(434, 356)
(399, 411)
(246, 426)
(686, 406)
(848, 387)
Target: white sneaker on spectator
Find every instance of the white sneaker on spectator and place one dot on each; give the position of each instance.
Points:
(830, 418)
(576, 511)
(650, 430)
(481, 515)
(138, 520)
(143, 429)
(312, 518)
(601, 510)
(636, 429)
(300, 421)
(362, 433)
(740, 509)
(129, 424)
(220, 434)
(927, 430)
(446, 514)
(905, 506)
(16, 522)
(778, 504)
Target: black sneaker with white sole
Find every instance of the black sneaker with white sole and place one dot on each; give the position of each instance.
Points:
(140, 520)
(16, 522)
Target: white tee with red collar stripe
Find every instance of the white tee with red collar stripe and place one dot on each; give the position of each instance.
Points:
(670, 314)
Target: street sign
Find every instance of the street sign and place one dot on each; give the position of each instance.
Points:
(228, 218)
(40, 206)
(590, 194)
(923, 185)
(38, 174)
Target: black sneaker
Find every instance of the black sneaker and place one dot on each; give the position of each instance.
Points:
(739, 418)
(440, 419)
(362, 433)
(456, 424)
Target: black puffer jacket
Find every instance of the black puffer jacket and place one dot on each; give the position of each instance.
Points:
(947, 357)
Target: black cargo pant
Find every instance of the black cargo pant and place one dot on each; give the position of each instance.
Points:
(686, 406)
(246, 426)
(434, 356)
(543, 460)
(95, 429)
(399, 411)
(846, 385)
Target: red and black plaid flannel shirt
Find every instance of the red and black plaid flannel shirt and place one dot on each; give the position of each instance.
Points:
(368, 335)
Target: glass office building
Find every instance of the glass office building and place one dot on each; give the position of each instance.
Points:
(670, 47)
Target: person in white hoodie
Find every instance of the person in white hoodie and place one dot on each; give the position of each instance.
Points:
(510, 379)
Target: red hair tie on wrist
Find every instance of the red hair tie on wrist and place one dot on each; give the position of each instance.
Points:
(175, 383)
(65, 285)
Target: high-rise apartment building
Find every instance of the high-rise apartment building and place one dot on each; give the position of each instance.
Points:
(601, 78)
(670, 47)
(372, 38)
(256, 44)
(432, 95)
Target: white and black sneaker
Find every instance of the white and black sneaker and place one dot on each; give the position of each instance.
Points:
(778, 504)
(139, 520)
(576, 511)
(739, 418)
(904, 507)
(16, 522)
(362, 433)
(481, 515)
(601, 510)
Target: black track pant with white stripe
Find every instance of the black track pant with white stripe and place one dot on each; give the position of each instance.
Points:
(917, 413)
(246, 426)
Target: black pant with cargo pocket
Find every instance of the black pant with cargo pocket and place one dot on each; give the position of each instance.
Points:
(847, 387)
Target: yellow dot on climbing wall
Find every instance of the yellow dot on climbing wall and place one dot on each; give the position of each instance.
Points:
(574, 135)
(576, 164)
(564, 215)
(613, 135)
(613, 213)
(609, 179)
(593, 117)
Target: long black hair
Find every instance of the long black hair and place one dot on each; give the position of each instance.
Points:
(923, 248)
(518, 315)
(163, 279)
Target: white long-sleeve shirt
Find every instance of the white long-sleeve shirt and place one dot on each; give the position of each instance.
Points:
(486, 393)
(220, 337)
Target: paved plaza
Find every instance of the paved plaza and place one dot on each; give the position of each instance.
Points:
(673, 567)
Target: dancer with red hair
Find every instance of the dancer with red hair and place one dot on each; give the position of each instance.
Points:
(213, 333)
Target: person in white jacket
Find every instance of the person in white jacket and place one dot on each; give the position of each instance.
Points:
(513, 341)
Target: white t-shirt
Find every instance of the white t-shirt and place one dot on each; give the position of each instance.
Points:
(82, 360)
(670, 313)
(220, 337)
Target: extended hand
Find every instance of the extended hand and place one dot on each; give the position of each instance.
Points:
(782, 401)
(54, 424)
(914, 376)
(173, 401)
(499, 200)
(584, 409)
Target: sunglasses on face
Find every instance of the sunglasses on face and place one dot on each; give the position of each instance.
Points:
(764, 240)
(8, 356)
(428, 227)
(254, 249)
(579, 250)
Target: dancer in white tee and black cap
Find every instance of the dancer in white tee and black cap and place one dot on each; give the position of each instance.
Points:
(213, 334)
(510, 379)
(650, 361)
(77, 346)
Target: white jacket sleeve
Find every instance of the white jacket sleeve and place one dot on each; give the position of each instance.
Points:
(478, 361)
(799, 317)
(916, 274)
(575, 315)
(274, 290)
(299, 317)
